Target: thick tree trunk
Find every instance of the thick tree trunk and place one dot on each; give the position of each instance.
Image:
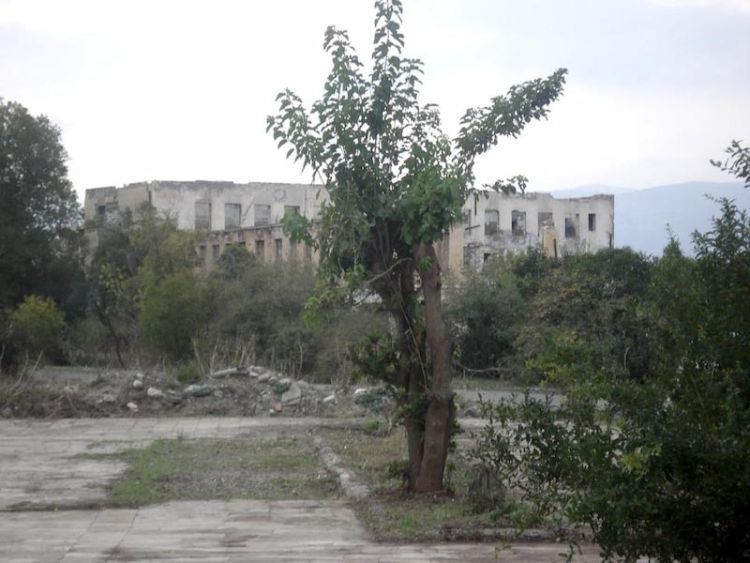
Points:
(440, 410)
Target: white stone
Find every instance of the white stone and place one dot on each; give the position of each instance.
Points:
(330, 399)
(139, 375)
(359, 391)
(293, 395)
(137, 384)
(132, 407)
(154, 393)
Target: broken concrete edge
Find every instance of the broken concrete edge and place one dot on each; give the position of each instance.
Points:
(360, 492)
(333, 463)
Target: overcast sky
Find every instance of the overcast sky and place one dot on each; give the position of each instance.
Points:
(179, 90)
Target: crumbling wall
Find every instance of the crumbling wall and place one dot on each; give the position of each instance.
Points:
(497, 224)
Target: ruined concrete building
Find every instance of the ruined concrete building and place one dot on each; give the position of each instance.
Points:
(250, 215)
(496, 223)
(228, 213)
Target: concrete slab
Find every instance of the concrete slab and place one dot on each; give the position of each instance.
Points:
(41, 465)
(228, 531)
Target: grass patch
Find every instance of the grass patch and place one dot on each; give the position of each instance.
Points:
(286, 467)
(397, 515)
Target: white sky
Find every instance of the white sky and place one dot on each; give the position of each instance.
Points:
(179, 90)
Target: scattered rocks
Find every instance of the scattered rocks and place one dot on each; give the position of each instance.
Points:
(173, 397)
(330, 399)
(106, 399)
(264, 377)
(472, 411)
(139, 375)
(229, 372)
(359, 392)
(132, 407)
(198, 390)
(293, 395)
(154, 393)
(138, 384)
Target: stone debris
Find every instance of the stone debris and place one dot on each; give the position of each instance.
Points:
(139, 375)
(154, 393)
(229, 372)
(330, 399)
(360, 392)
(263, 377)
(173, 397)
(293, 395)
(132, 407)
(106, 399)
(198, 390)
(138, 384)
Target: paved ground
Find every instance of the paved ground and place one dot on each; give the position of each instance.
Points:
(39, 468)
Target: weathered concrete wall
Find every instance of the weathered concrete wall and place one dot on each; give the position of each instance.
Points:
(535, 220)
(268, 244)
(250, 214)
(179, 199)
(105, 204)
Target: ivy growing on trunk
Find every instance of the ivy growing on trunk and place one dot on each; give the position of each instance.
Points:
(396, 185)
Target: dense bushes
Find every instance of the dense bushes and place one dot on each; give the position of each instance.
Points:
(651, 447)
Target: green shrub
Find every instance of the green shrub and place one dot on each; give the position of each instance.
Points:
(173, 313)
(37, 326)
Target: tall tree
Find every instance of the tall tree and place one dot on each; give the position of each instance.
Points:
(38, 207)
(396, 185)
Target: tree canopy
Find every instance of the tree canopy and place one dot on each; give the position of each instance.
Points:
(397, 183)
(38, 207)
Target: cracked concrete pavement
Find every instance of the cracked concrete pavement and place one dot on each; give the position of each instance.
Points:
(40, 467)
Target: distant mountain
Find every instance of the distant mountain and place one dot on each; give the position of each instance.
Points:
(642, 216)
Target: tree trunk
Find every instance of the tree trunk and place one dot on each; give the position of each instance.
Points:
(440, 410)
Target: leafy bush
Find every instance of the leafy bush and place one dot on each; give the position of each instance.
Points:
(37, 326)
(174, 312)
(486, 314)
(653, 456)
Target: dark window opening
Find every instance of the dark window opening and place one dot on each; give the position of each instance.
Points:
(232, 215)
(570, 228)
(486, 257)
(260, 249)
(467, 219)
(491, 221)
(277, 248)
(202, 215)
(518, 223)
(291, 210)
(544, 218)
(215, 251)
(262, 215)
(592, 221)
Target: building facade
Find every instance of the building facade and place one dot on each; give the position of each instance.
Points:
(250, 215)
(496, 223)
